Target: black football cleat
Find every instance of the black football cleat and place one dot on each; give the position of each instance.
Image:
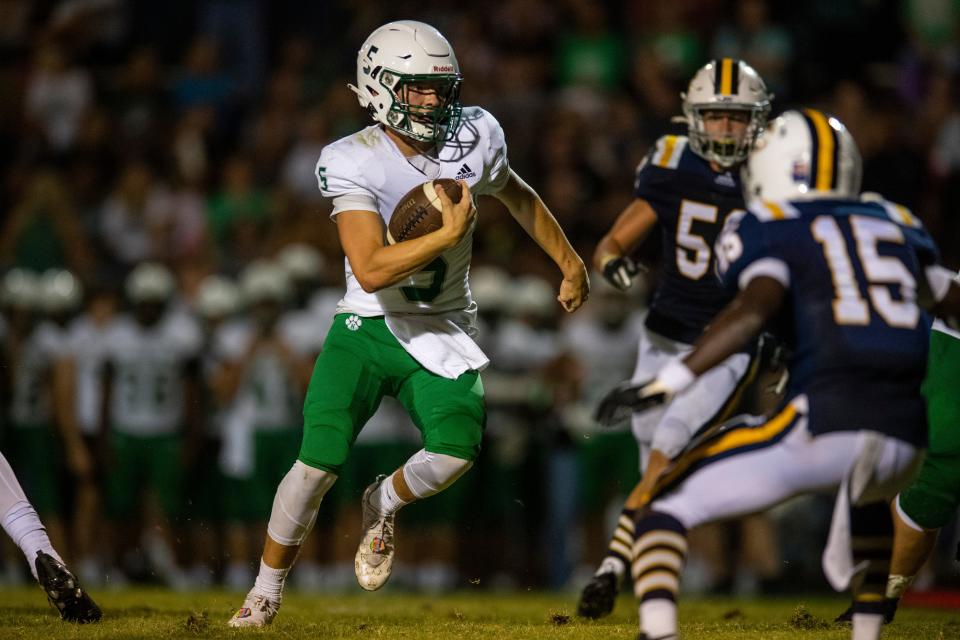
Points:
(64, 591)
(889, 611)
(598, 597)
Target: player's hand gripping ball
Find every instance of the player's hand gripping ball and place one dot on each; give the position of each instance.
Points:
(419, 212)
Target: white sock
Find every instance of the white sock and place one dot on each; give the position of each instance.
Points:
(23, 525)
(385, 498)
(897, 586)
(270, 582)
(658, 619)
(612, 565)
(866, 626)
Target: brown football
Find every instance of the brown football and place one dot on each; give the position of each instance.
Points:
(419, 211)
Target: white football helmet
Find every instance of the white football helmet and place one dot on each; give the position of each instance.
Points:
(60, 291)
(264, 281)
(490, 288)
(803, 155)
(404, 53)
(301, 261)
(217, 297)
(20, 288)
(532, 296)
(725, 84)
(150, 282)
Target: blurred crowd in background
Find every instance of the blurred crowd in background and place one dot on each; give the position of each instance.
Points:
(157, 184)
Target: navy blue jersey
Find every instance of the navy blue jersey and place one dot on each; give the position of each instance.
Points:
(691, 201)
(859, 338)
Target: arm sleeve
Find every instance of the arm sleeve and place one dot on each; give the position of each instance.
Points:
(743, 253)
(339, 178)
(497, 168)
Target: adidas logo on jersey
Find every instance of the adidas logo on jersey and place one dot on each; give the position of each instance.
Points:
(465, 172)
(726, 180)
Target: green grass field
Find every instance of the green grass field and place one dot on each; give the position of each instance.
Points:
(141, 613)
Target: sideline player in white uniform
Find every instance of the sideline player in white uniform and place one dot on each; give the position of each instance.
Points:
(18, 517)
(404, 326)
(266, 368)
(86, 351)
(34, 345)
(150, 424)
(215, 305)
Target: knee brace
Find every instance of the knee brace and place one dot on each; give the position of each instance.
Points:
(296, 502)
(429, 473)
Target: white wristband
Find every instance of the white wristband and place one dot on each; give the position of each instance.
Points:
(675, 376)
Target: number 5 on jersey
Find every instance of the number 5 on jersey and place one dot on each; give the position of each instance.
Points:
(693, 251)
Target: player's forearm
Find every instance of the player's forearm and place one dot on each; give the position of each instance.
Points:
(729, 333)
(534, 217)
(629, 231)
(607, 249)
(388, 265)
(735, 326)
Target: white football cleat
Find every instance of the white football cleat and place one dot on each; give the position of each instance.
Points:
(257, 611)
(374, 560)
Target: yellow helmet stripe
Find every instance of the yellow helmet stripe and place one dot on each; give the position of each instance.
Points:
(826, 151)
(726, 77)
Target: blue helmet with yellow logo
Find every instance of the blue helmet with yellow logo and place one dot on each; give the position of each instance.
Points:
(803, 155)
(725, 84)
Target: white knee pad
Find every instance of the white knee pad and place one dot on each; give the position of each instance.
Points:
(429, 473)
(296, 502)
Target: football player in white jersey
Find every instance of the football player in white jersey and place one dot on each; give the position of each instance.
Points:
(19, 295)
(266, 368)
(216, 304)
(150, 422)
(85, 347)
(404, 326)
(32, 348)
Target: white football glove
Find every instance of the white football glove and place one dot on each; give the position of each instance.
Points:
(627, 397)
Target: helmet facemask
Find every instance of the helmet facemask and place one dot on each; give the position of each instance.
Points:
(434, 123)
(724, 150)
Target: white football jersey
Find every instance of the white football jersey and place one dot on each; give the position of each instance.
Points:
(275, 404)
(148, 372)
(369, 165)
(521, 347)
(31, 401)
